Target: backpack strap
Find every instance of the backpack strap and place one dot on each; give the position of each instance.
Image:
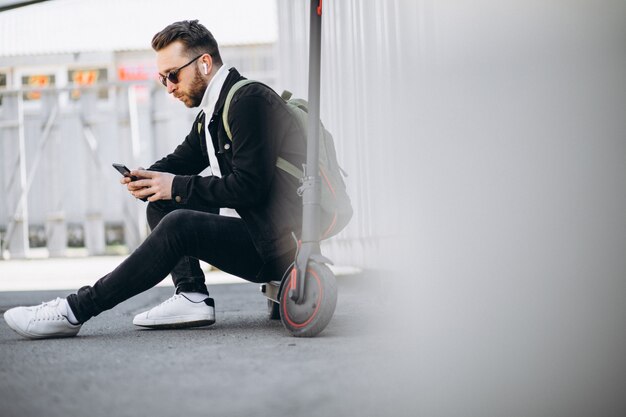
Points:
(289, 168)
(229, 98)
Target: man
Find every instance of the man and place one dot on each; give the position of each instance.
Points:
(258, 246)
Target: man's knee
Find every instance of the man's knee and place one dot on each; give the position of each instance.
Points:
(177, 220)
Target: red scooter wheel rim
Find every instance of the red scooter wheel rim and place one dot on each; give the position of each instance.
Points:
(318, 301)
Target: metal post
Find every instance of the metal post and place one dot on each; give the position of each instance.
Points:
(23, 180)
(311, 196)
(95, 240)
(14, 236)
(131, 218)
(311, 183)
(136, 149)
(48, 155)
(17, 231)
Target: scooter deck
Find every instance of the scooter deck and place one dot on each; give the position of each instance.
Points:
(271, 290)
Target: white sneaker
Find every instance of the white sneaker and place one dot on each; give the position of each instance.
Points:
(43, 321)
(177, 312)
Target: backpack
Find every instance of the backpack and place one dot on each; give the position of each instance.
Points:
(336, 209)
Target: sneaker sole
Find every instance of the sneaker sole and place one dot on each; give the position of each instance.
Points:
(175, 325)
(18, 330)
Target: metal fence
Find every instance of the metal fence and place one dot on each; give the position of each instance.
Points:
(57, 183)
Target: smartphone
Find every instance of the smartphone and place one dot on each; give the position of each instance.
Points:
(124, 171)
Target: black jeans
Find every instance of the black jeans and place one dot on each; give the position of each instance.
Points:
(179, 236)
(187, 274)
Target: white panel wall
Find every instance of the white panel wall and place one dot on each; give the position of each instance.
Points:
(490, 138)
(361, 71)
(444, 112)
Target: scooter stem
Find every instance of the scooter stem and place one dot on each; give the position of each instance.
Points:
(311, 186)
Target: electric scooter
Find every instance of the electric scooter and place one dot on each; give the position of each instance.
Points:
(306, 297)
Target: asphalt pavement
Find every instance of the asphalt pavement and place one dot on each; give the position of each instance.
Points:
(244, 365)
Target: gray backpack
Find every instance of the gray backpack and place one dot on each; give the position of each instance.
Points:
(335, 202)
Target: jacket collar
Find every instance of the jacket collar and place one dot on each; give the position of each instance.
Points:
(233, 77)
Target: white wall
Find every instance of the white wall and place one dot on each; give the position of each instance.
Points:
(486, 142)
(360, 62)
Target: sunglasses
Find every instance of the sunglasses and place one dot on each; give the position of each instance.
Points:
(173, 74)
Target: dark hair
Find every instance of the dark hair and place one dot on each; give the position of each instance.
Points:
(195, 37)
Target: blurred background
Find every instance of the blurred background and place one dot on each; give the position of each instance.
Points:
(79, 92)
(485, 143)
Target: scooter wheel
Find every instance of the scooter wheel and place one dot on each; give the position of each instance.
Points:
(320, 298)
(273, 309)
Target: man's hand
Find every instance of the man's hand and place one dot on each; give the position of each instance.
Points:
(152, 185)
(126, 179)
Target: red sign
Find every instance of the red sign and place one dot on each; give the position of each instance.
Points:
(134, 73)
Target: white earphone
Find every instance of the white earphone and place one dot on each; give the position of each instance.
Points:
(206, 68)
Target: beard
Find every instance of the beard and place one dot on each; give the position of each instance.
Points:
(196, 90)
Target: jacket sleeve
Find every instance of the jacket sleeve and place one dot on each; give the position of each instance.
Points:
(254, 153)
(187, 158)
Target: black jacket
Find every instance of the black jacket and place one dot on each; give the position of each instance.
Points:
(265, 197)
